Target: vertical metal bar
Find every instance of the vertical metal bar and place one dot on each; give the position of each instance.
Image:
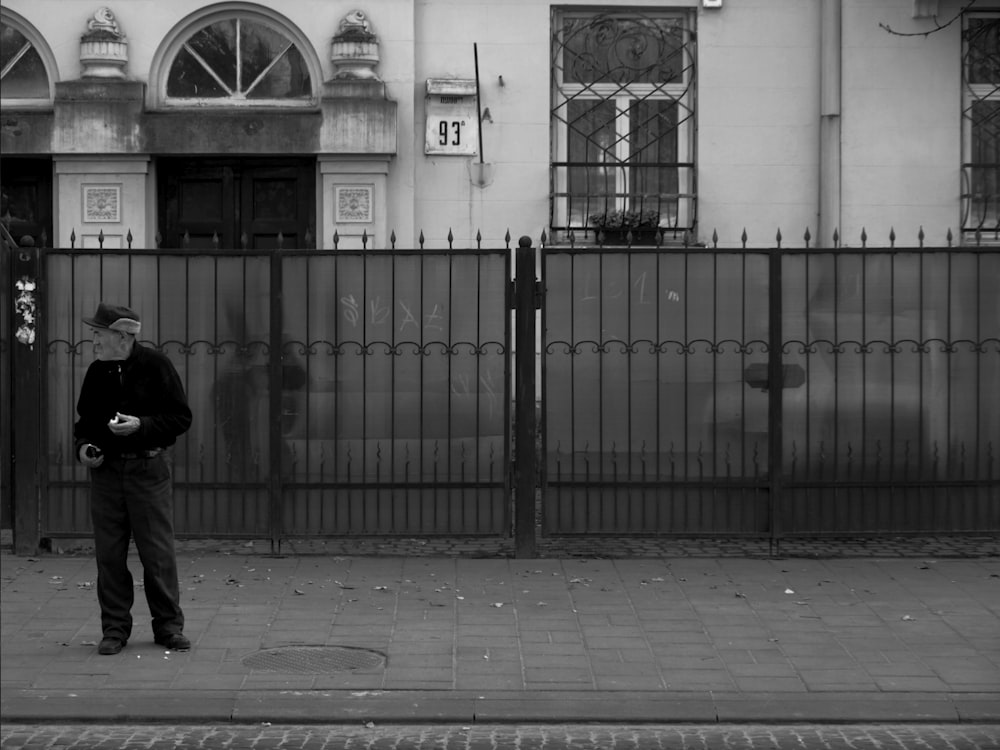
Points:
(505, 457)
(525, 468)
(774, 392)
(274, 393)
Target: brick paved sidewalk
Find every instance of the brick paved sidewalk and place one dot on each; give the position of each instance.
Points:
(457, 639)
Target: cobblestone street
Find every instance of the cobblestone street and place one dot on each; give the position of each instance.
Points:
(535, 737)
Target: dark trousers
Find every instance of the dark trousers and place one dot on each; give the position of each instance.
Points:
(132, 499)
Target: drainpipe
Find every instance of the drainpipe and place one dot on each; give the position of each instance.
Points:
(828, 215)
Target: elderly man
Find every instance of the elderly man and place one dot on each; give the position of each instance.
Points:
(131, 408)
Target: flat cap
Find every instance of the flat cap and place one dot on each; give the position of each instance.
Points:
(115, 318)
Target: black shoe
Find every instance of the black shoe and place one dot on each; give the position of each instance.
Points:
(173, 642)
(110, 645)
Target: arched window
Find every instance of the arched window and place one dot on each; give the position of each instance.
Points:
(25, 64)
(234, 56)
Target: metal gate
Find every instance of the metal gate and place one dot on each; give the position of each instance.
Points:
(662, 413)
(334, 392)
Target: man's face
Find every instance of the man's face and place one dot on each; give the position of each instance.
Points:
(111, 345)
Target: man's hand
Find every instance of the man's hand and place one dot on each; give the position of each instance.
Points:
(91, 456)
(123, 424)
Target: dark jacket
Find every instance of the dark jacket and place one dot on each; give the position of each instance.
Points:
(145, 385)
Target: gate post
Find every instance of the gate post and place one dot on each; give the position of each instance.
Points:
(525, 457)
(26, 399)
(775, 392)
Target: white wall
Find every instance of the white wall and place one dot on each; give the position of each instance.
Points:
(757, 111)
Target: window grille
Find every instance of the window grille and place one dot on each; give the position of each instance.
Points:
(239, 61)
(981, 128)
(623, 125)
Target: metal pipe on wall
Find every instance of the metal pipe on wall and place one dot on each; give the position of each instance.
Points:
(831, 53)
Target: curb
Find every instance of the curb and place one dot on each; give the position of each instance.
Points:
(31, 706)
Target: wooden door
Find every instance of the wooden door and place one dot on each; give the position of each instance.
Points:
(236, 201)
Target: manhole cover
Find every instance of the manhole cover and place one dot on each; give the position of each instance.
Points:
(313, 659)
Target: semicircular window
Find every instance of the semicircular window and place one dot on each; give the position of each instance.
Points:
(22, 72)
(239, 61)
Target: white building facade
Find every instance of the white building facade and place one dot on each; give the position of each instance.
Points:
(338, 124)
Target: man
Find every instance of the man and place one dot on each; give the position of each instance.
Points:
(132, 407)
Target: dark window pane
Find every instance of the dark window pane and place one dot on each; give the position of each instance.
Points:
(591, 177)
(289, 78)
(216, 45)
(188, 78)
(26, 78)
(18, 204)
(983, 59)
(653, 154)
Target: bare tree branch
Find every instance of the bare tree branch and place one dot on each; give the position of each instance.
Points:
(937, 26)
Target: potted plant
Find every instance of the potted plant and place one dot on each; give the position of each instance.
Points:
(644, 226)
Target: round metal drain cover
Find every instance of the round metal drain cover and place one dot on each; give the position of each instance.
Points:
(314, 659)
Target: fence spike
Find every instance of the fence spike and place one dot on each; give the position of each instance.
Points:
(506, 238)
(543, 239)
(364, 239)
(778, 238)
(864, 237)
(687, 238)
(920, 235)
(100, 239)
(281, 239)
(979, 235)
(308, 238)
(128, 238)
(479, 239)
(158, 239)
(244, 240)
(572, 239)
(836, 238)
(892, 236)
(44, 238)
(186, 239)
(336, 239)
(807, 237)
(72, 239)
(950, 237)
(421, 240)
(743, 237)
(392, 239)
(215, 240)
(451, 238)
(600, 238)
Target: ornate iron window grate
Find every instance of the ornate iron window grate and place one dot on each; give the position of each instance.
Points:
(981, 128)
(622, 121)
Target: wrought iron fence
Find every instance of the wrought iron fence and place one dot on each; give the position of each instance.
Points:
(661, 413)
(371, 392)
(333, 392)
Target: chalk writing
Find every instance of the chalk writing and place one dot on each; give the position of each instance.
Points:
(381, 312)
(615, 289)
(350, 309)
